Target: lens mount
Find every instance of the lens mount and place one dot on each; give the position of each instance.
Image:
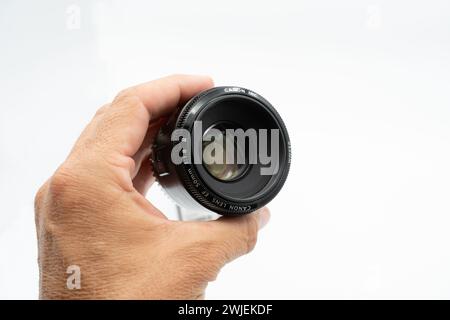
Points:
(225, 188)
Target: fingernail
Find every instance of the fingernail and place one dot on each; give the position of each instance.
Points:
(264, 217)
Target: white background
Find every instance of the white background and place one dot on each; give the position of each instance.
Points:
(363, 86)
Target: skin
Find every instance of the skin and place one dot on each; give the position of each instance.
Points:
(92, 212)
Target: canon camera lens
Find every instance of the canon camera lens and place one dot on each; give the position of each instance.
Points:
(227, 150)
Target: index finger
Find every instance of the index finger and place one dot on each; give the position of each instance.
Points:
(161, 96)
(121, 127)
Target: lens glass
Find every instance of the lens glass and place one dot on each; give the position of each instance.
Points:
(221, 154)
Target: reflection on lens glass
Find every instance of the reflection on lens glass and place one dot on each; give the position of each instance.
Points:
(215, 161)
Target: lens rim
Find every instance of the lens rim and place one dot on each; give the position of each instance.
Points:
(189, 174)
(186, 185)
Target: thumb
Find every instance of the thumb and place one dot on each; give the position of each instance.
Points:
(235, 236)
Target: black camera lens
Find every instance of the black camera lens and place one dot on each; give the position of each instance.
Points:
(227, 150)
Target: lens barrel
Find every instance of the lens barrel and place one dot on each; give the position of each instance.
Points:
(226, 188)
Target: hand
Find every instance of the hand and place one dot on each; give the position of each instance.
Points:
(92, 213)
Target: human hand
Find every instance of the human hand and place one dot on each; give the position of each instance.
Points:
(93, 213)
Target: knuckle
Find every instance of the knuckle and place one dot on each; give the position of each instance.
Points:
(129, 103)
(65, 196)
(52, 199)
(62, 181)
(59, 181)
(39, 197)
(39, 202)
(101, 110)
(125, 97)
(123, 94)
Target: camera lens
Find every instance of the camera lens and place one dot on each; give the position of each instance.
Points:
(226, 150)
